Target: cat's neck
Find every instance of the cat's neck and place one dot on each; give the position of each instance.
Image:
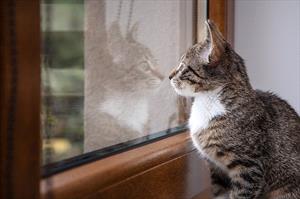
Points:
(206, 106)
(128, 109)
(218, 102)
(234, 96)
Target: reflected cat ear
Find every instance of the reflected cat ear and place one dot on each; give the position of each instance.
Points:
(133, 32)
(114, 34)
(215, 42)
(115, 40)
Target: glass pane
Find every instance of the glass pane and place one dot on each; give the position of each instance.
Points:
(62, 79)
(105, 72)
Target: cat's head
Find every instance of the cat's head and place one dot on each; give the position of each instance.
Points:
(208, 65)
(133, 63)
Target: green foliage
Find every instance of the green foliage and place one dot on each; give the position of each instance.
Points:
(62, 77)
(64, 49)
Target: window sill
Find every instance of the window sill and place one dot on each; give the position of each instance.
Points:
(171, 161)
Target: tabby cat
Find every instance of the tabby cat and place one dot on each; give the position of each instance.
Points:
(250, 138)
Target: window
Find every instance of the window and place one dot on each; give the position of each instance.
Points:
(20, 122)
(105, 67)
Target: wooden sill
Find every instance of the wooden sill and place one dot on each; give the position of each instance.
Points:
(168, 162)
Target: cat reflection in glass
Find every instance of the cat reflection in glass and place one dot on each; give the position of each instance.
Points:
(249, 138)
(129, 77)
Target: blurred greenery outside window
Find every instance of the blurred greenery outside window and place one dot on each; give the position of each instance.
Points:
(62, 78)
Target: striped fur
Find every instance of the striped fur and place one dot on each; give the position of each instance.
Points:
(250, 138)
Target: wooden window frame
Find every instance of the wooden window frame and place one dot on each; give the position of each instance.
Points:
(20, 127)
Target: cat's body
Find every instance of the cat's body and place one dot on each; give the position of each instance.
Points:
(261, 142)
(250, 139)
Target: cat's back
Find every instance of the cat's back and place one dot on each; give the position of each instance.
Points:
(283, 133)
(283, 121)
(279, 110)
(283, 127)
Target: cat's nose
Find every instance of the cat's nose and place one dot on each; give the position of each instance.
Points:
(173, 73)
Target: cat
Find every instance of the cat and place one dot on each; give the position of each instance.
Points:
(128, 77)
(250, 139)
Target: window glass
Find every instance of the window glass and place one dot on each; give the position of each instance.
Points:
(105, 67)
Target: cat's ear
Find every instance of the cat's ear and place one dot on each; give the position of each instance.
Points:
(133, 32)
(114, 35)
(115, 41)
(215, 42)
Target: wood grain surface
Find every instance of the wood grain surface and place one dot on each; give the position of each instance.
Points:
(168, 167)
(19, 99)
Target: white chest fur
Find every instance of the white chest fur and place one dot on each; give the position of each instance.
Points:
(130, 112)
(206, 106)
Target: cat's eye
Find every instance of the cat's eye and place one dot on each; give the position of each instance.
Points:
(180, 67)
(144, 66)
